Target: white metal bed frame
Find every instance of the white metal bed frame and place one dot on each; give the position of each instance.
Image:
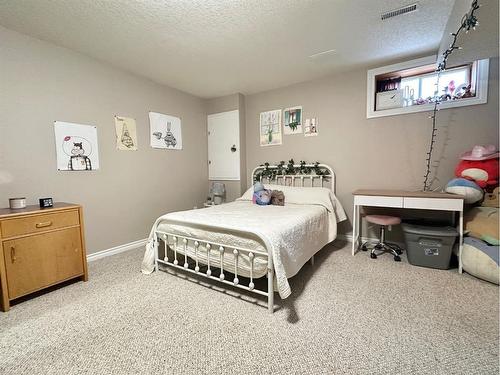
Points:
(222, 249)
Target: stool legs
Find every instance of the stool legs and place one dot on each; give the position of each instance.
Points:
(383, 246)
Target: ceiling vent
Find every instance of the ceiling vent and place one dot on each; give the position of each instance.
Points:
(399, 11)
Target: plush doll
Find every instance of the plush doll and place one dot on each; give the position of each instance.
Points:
(261, 196)
(472, 192)
(277, 198)
(480, 165)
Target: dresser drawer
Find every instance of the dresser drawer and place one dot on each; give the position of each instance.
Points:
(38, 223)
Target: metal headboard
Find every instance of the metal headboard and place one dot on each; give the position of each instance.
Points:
(305, 180)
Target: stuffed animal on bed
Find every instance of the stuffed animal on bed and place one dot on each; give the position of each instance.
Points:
(277, 198)
(261, 196)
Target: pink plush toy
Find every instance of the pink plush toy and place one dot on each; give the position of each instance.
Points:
(480, 165)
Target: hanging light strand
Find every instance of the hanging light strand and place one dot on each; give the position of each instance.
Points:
(469, 21)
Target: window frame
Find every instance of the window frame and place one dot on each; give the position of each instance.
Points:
(480, 98)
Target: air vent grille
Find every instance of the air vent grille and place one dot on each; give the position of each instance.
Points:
(399, 11)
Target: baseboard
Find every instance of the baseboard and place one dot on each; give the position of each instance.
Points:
(116, 250)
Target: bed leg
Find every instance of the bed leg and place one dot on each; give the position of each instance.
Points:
(270, 290)
(156, 244)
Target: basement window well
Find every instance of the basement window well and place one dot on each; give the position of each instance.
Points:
(413, 86)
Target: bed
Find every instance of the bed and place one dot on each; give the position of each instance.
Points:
(240, 240)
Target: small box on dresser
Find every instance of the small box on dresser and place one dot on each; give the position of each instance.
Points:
(40, 248)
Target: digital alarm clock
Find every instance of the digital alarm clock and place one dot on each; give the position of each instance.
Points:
(46, 202)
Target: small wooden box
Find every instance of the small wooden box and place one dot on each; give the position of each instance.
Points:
(40, 248)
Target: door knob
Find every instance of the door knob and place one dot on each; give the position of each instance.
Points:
(233, 148)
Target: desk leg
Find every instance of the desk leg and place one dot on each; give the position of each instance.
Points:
(461, 240)
(355, 229)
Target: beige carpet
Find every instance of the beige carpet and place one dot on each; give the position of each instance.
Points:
(347, 315)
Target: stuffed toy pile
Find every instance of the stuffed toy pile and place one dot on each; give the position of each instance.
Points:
(264, 197)
(477, 179)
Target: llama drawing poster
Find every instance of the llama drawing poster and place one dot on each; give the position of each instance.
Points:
(76, 147)
(126, 134)
(165, 131)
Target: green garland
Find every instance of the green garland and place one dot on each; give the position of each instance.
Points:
(289, 168)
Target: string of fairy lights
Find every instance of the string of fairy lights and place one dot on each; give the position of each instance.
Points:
(469, 21)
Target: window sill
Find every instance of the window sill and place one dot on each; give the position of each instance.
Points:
(480, 98)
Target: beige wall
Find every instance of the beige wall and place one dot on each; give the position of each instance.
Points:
(234, 189)
(41, 83)
(386, 152)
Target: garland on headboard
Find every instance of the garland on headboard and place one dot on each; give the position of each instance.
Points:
(271, 171)
(469, 21)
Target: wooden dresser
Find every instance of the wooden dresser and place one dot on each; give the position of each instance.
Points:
(40, 248)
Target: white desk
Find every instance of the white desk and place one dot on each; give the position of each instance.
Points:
(406, 199)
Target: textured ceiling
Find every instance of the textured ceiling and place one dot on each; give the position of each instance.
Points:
(212, 48)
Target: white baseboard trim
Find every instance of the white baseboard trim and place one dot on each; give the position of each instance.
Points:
(116, 250)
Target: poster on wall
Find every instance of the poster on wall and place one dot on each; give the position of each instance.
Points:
(76, 146)
(270, 128)
(310, 127)
(292, 120)
(165, 131)
(126, 134)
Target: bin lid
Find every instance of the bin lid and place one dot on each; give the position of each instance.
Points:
(427, 230)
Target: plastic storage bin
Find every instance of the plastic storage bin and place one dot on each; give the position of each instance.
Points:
(429, 246)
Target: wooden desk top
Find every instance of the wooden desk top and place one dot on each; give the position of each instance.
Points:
(407, 194)
(7, 212)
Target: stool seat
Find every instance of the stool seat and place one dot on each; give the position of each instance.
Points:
(383, 219)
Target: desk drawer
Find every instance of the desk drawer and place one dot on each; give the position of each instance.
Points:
(434, 204)
(378, 201)
(38, 223)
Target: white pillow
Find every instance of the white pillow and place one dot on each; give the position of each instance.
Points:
(299, 195)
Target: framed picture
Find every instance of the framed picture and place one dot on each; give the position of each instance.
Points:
(292, 120)
(126, 133)
(270, 128)
(311, 127)
(165, 131)
(76, 147)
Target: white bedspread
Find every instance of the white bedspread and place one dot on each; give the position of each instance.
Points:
(293, 233)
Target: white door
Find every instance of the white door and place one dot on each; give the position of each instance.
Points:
(224, 146)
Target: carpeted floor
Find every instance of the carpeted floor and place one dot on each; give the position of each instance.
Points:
(347, 315)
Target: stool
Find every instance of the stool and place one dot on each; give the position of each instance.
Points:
(384, 221)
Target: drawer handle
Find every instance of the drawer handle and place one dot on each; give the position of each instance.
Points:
(44, 224)
(12, 254)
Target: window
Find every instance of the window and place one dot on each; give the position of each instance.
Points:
(411, 87)
(453, 85)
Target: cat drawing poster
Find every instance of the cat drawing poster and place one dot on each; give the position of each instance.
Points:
(165, 131)
(126, 134)
(76, 147)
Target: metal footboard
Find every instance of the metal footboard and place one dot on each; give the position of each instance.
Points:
(210, 248)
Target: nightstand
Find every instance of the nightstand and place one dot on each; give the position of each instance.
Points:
(40, 248)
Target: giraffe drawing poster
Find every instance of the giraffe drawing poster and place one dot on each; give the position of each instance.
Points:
(165, 131)
(126, 134)
(76, 147)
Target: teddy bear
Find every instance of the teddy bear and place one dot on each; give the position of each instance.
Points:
(480, 165)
